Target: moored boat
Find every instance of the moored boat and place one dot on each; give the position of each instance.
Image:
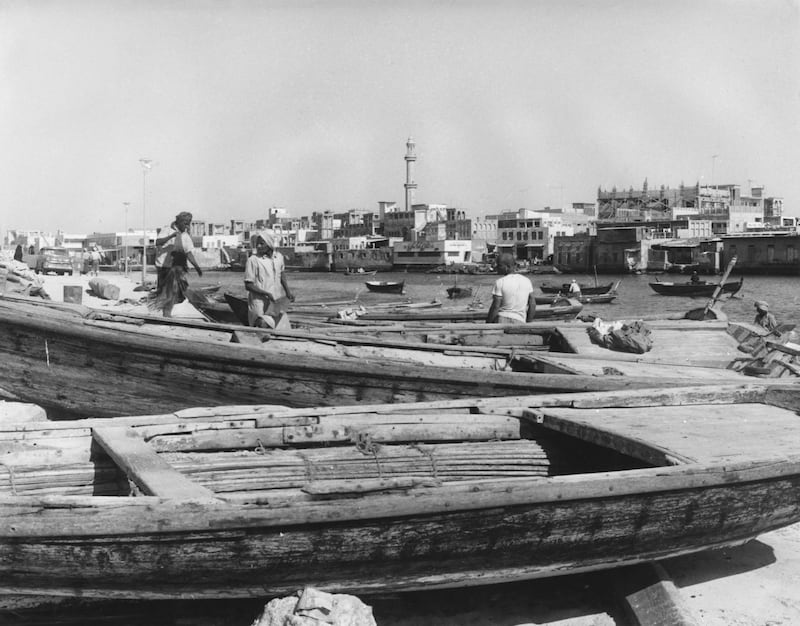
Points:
(385, 286)
(456, 292)
(75, 361)
(585, 289)
(258, 501)
(696, 289)
(602, 298)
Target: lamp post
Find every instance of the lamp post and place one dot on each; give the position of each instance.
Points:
(146, 165)
(126, 204)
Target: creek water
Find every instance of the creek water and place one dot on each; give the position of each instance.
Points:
(635, 296)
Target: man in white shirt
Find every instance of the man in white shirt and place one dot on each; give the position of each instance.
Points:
(513, 301)
(265, 282)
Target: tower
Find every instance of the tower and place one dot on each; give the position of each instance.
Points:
(410, 185)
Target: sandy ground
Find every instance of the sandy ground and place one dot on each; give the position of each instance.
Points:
(756, 584)
(129, 300)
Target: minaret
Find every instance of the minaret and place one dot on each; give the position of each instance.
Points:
(410, 185)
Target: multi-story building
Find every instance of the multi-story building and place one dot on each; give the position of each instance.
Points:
(724, 207)
(484, 236)
(529, 235)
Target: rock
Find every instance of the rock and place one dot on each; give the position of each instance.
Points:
(311, 607)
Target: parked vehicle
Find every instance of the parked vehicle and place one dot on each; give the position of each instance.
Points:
(56, 260)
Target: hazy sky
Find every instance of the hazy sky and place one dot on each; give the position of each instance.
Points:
(244, 105)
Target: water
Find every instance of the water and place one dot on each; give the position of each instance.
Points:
(635, 297)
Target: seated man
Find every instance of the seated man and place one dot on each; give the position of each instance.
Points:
(513, 301)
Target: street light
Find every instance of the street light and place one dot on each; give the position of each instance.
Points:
(126, 204)
(147, 164)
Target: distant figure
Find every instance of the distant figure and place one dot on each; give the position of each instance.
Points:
(18, 253)
(265, 282)
(513, 301)
(695, 278)
(764, 318)
(174, 283)
(574, 289)
(95, 256)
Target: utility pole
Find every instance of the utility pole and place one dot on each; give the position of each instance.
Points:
(147, 164)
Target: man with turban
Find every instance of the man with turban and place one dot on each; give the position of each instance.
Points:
(172, 282)
(764, 318)
(265, 282)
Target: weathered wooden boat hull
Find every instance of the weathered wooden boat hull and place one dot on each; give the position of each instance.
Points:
(697, 290)
(74, 366)
(256, 558)
(673, 495)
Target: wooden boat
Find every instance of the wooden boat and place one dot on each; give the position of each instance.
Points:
(212, 308)
(564, 309)
(602, 298)
(385, 286)
(359, 272)
(74, 361)
(456, 292)
(585, 289)
(258, 501)
(697, 289)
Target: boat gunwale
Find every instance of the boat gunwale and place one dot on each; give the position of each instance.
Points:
(26, 516)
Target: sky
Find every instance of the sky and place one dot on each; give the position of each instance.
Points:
(243, 105)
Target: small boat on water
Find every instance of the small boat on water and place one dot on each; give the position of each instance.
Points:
(456, 292)
(349, 271)
(585, 289)
(259, 501)
(603, 298)
(696, 289)
(385, 286)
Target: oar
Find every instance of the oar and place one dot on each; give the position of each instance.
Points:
(700, 314)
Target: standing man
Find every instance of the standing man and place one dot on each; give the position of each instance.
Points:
(173, 283)
(165, 244)
(574, 289)
(95, 261)
(265, 282)
(513, 301)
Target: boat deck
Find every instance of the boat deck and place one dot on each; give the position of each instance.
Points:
(673, 342)
(704, 433)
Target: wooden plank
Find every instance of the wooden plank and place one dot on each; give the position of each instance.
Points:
(651, 598)
(144, 467)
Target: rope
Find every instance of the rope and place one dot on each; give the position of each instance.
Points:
(428, 452)
(365, 445)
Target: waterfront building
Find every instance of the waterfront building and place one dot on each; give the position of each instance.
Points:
(484, 236)
(422, 254)
(574, 253)
(529, 235)
(776, 253)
